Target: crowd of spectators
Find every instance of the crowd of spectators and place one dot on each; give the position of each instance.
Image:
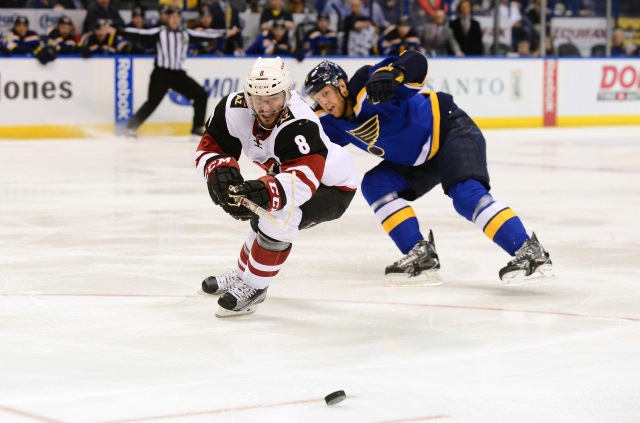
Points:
(331, 27)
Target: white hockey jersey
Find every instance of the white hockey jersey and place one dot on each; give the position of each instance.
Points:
(297, 143)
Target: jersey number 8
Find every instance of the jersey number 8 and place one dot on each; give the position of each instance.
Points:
(301, 142)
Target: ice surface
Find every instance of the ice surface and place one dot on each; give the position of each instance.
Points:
(104, 243)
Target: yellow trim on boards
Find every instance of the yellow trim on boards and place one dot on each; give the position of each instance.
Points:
(178, 129)
(561, 121)
(509, 122)
(598, 120)
(89, 131)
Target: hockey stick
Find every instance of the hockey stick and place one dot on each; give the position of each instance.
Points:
(282, 224)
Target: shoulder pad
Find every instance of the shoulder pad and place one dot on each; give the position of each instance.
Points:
(359, 80)
(239, 101)
(285, 116)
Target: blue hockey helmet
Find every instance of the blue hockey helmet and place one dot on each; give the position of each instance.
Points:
(326, 73)
(21, 19)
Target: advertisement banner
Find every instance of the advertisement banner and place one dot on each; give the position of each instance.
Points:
(584, 33)
(74, 96)
(124, 90)
(490, 88)
(606, 88)
(68, 92)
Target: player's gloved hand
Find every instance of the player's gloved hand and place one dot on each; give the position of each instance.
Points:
(221, 172)
(383, 83)
(266, 192)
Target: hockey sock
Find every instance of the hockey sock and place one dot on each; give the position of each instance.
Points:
(265, 261)
(498, 222)
(380, 187)
(243, 259)
(399, 220)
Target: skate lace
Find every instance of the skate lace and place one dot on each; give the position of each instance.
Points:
(527, 251)
(226, 279)
(242, 291)
(416, 252)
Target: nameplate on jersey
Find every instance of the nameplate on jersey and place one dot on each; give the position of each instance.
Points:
(239, 101)
(285, 116)
(368, 133)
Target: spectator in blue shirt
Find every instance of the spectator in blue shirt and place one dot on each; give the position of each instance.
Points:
(101, 9)
(20, 39)
(272, 42)
(398, 38)
(102, 41)
(321, 41)
(63, 37)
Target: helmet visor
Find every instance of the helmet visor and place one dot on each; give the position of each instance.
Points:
(267, 108)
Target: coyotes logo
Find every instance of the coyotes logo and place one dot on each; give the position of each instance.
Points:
(285, 116)
(239, 101)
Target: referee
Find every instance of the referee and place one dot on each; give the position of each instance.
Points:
(172, 43)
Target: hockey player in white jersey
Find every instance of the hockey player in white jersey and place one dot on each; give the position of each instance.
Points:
(308, 179)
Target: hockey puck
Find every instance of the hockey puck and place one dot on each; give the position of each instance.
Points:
(335, 397)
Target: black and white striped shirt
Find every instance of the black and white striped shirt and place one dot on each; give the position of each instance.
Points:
(171, 46)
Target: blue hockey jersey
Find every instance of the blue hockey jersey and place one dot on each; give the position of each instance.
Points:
(406, 130)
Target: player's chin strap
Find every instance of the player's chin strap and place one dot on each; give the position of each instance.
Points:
(280, 223)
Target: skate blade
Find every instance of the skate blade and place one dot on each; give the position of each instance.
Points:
(223, 313)
(543, 273)
(426, 278)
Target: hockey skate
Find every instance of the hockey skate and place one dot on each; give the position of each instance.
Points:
(239, 300)
(418, 268)
(531, 264)
(219, 284)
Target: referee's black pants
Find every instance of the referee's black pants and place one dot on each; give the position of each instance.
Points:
(160, 82)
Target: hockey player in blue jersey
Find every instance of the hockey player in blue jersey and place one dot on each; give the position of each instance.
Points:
(424, 140)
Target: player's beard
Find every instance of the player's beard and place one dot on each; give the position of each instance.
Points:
(272, 119)
(267, 119)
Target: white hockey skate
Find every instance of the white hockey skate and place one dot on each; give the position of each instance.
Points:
(420, 267)
(239, 300)
(530, 265)
(219, 284)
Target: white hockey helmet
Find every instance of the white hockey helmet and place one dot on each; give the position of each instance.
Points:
(268, 76)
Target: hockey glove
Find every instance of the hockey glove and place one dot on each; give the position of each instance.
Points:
(383, 83)
(221, 172)
(266, 192)
(45, 54)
